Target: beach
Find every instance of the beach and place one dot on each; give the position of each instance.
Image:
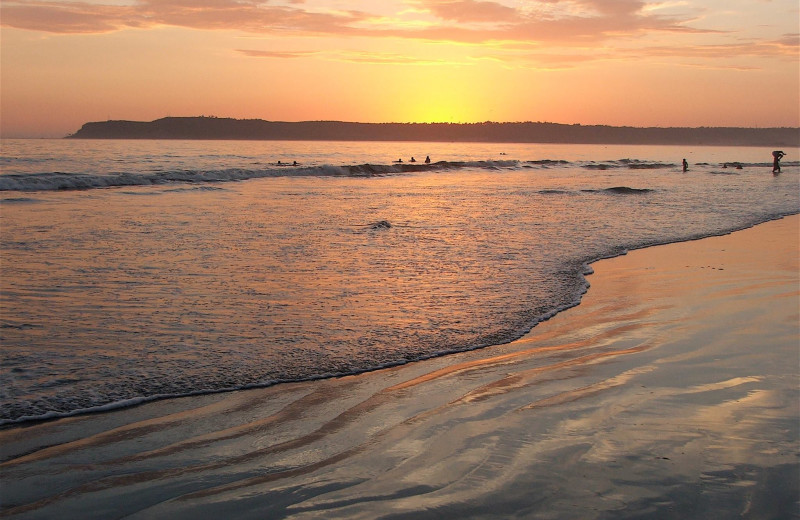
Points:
(669, 392)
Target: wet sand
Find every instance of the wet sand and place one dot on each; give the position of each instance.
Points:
(670, 392)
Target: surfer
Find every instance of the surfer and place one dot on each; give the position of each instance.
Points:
(685, 166)
(777, 155)
(427, 159)
(412, 159)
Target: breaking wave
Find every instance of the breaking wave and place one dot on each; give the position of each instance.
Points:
(631, 164)
(50, 181)
(53, 181)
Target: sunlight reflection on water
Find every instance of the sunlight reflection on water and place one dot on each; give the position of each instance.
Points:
(140, 291)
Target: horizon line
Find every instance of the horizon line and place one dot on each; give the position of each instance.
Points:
(463, 123)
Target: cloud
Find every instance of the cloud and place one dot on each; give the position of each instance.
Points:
(567, 31)
(565, 22)
(717, 56)
(243, 15)
(276, 54)
(568, 22)
(384, 58)
(615, 7)
(762, 49)
(551, 61)
(790, 41)
(67, 18)
(466, 11)
(380, 58)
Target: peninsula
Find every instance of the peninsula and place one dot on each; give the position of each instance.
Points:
(205, 127)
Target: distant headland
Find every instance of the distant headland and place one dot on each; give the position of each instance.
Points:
(212, 128)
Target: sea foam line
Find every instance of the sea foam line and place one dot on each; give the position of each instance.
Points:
(52, 181)
(581, 289)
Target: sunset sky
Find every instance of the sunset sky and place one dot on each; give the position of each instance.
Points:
(616, 62)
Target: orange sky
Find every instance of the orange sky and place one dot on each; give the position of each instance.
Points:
(617, 62)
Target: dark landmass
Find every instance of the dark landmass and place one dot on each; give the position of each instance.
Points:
(528, 132)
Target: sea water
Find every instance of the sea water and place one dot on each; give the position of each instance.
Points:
(136, 270)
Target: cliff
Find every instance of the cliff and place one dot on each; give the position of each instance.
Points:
(257, 129)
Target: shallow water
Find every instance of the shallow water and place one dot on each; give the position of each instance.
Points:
(670, 392)
(116, 295)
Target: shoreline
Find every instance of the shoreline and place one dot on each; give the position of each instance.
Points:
(139, 401)
(130, 403)
(645, 399)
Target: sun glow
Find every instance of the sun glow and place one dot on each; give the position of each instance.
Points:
(453, 95)
(441, 107)
(66, 63)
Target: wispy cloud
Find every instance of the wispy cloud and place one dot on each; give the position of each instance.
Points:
(782, 48)
(380, 58)
(577, 26)
(465, 11)
(243, 15)
(384, 58)
(705, 56)
(75, 17)
(253, 53)
(469, 21)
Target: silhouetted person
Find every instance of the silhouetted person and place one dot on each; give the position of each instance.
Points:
(685, 165)
(777, 155)
(427, 159)
(412, 160)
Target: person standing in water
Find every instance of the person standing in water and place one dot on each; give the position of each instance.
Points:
(777, 155)
(685, 165)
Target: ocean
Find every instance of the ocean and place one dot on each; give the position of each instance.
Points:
(138, 270)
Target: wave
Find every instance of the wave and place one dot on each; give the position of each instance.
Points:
(577, 270)
(18, 200)
(625, 190)
(734, 164)
(53, 181)
(78, 406)
(631, 164)
(545, 163)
